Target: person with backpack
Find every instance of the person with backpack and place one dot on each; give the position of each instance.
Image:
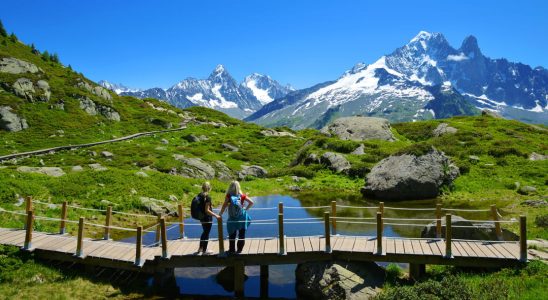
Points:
(200, 209)
(238, 218)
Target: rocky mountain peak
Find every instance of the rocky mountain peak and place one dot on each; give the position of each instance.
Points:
(470, 47)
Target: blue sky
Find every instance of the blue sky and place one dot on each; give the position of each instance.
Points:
(158, 43)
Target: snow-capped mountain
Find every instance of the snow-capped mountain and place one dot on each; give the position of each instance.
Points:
(118, 88)
(426, 78)
(220, 91)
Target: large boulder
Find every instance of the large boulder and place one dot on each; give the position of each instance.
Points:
(24, 88)
(44, 90)
(444, 129)
(255, 171)
(335, 162)
(272, 132)
(49, 171)
(338, 280)
(223, 172)
(92, 109)
(194, 167)
(360, 128)
(407, 176)
(101, 92)
(462, 228)
(15, 66)
(156, 206)
(10, 121)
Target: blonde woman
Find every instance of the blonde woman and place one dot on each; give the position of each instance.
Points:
(206, 217)
(238, 218)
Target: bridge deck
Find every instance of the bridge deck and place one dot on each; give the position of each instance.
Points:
(258, 251)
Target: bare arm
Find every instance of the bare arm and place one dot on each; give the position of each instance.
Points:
(223, 208)
(210, 212)
(249, 203)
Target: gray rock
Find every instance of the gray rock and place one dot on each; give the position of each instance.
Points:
(15, 66)
(294, 188)
(77, 169)
(255, 171)
(535, 156)
(101, 92)
(97, 167)
(196, 168)
(272, 132)
(473, 158)
(535, 203)
(85, 86)
(527, 190)
(49, 171)
(173, 198)
(192, 138)
(360, 128)
(141, 174)
(60, 105)
(164, 141)
(44, 92)
(481, 231)
(223, 172)
(155, 206)
(338, 280)
(107, 154)
(410, 177)
(444, 129)
(10, 121)
(24, 88)
(106, 202)
(312, 158)
(360, 150)
(491, 113)
(92, 109)
(230, 147)
(295, 178)
(178, 156)
(92, 153)
(335, 162)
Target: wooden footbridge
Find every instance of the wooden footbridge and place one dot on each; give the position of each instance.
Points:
(164, 255)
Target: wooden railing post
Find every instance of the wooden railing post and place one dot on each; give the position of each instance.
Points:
(281, 236)
(157, 238)
(29, 227)
(381, 208)
(379, 232)
(221, 239)
(327, 232)
(164, 237)
(62, 225)
(138, 246)
(448, 236)
(281, 208)
(438, 221)
(108, 217)
(522, 238)
(498, 230)
(334, 216)
(181, 216)
(28, 207)
(80, 240)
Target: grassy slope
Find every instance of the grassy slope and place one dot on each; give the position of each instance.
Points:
(501, 145)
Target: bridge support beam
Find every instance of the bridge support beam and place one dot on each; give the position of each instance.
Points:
(164, 282)
(264, 282)
(416, 271)
(239, 278)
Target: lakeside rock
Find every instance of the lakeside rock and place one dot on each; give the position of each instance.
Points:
(49, 171)
(335, 162)
(156, 206)
(10, 121)
(480, 231)
(360, 128)
(338, 280)
(407, 176)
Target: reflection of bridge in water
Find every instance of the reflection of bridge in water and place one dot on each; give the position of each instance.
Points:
(163, 255)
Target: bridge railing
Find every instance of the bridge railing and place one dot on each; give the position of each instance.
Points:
(330, 220)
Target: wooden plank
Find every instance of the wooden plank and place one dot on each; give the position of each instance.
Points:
(13, 236)
(44, 240)
(493, 249)
(336, 242)
(464, 249)
(322, 244)
(371, 245)
(416, 247)
(425, 247)
(271, 246)
(299, 244)
(398, 246)
(4, 234)
(63, 242)
(436, 247)
(307, 244)
(477, 249)
(192, 247)
(69, 247)
(290, 244)
(260, 249)
(348, 243)
(101, 251)
(359, 244)
(254, 247)
(123, 249)
(390, 246)
(486, 250)
(408, 247)
(512, 249)
(457, 249)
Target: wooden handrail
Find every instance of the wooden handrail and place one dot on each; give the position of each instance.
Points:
(498, 230)
(108, 217)
(438, 221)
(448, 236)
(220, 233)
(281, 236)
(181, 216)
(327, 232)
(379, 232)
(334, 216)
(164, 237)
(29, 228)
(62, 224)
(28, 207)
(80, 241)
(138, 246)
(158, 233)
(522, 238)
(280, 207)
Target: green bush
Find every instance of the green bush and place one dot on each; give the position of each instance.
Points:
(541, 221)
(393, 272)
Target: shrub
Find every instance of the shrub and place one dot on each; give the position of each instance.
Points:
(505, 151)
(541, 221)
(393, 272)
(417, 149)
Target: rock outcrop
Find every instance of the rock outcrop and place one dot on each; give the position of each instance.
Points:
(16, 66)
(408, 176)
(10, 121)
(444, 129)
(24, 88)
(93, 109)
(44, 92)
(335, 162)
(359, 151)
(255, 171)
(272, 132)
(338, 280)
(156, 206)
(194, 167)
(535, 156)
(360, 128)
(97, 90)
(462, 228)
(49, 171)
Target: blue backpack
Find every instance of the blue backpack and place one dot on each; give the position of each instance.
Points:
(235, 209)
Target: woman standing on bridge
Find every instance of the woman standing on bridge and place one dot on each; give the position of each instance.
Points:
(238, 218)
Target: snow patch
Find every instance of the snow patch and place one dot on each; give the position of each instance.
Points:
(459, 57)
(260, 94)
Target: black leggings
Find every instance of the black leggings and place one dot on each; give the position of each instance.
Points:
(205, 235)
(241, 240)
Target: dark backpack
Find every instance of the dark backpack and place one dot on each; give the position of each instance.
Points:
(235, 209)
(197, 208)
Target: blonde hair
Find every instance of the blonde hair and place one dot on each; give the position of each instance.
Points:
(234, 188)
(206, 187)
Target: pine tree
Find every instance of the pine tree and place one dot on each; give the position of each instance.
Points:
(13, 37)
(3, 31)
(45, 55)
(54, 58)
